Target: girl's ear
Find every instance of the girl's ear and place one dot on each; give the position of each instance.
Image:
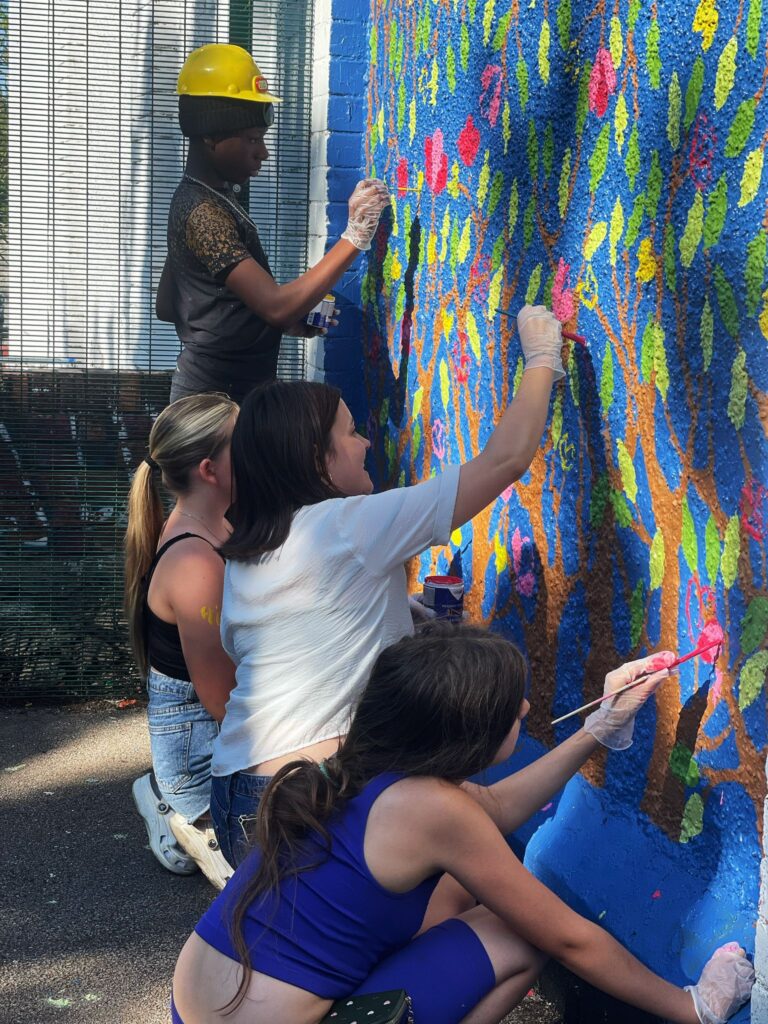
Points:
(207, 471)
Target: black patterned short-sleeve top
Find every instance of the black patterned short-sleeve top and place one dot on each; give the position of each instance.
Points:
(226, 346)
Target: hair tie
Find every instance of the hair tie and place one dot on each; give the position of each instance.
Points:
(151, 463)
(324, 770)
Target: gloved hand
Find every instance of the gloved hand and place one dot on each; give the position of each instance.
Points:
(419, 611)
(614, 721)
(367, 201)
(724, 985)
(541, 339)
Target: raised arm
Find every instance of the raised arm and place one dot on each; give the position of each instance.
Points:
(513, 444)
(282, 305)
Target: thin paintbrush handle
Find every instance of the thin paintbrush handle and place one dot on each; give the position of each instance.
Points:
(636, 682)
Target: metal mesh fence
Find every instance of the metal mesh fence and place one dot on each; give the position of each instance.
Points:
(90, 155)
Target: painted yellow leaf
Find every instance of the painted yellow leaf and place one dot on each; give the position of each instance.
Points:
(418, 398)
(705, 21)
(646, 261)
(432, 248)
(595, 239)
(434, 82)
(726, 72)
(444, 233)
(544, 38)
(750, 179)
(474, 335)
(657, 560)
(763, 318)
(494, 292)
(463, 250)
(420, 181)
(380, 124)
(617, 228)
(456, 538)
(396, 267)
(448, 319)
(616, 44)
(453, 181)
(445, 384)
(627, 468)
(412, 119)
(502, 558)
(620, 122)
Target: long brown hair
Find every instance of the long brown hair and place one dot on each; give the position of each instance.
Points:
(188, 431)
(439, 703)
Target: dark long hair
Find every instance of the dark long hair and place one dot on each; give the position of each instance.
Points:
(279, 448)
(439, 703)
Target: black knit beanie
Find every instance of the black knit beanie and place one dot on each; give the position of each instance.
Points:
(219, 115)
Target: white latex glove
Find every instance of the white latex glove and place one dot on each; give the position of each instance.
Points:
(419, 611)
(614, 721)
(367, 201)
(725, 984)
(541, 339)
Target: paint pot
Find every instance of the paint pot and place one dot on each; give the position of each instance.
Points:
(444, 595)
(322, 314)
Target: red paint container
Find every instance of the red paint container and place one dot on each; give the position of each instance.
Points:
(444, 595)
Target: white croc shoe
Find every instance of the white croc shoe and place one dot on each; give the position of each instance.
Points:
(156, 814)
(202, 845)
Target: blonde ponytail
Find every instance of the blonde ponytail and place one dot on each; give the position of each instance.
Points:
(187, 432)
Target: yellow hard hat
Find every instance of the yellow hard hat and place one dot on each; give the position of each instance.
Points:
(225, 70)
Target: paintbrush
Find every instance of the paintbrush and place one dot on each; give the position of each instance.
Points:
(640, 679)
(579, 338)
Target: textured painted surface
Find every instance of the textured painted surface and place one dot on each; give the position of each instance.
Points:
(609, 162)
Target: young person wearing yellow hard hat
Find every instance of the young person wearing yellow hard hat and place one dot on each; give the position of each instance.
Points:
(216, 286)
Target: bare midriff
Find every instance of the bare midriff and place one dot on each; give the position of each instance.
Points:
(314, 752)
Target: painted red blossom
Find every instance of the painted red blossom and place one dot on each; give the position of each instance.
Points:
(436, 162)
(562, 296)
(490, 97)
(702, 152)
(469, 142)
(402, 175)
(602, 82)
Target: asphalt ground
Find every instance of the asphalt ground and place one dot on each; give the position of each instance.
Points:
(90, 923)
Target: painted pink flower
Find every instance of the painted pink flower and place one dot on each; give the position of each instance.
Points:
(506, 494)
(525, 581)
(461, 360)
(562, 296)
(402, 175)
(490, 97)
(712, 632)
(602, 82)
(436, 161)
(438, 439)
(468, 142)
(753, 506)
(480, 278)
(715, 690)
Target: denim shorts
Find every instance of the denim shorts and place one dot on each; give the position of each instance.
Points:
(234, 803)
(181, 735)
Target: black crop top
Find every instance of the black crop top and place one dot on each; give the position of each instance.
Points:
(163, 643)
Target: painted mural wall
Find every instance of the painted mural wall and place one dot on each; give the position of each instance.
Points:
(607, 160)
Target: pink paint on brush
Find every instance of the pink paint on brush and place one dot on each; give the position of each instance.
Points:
(578, 338)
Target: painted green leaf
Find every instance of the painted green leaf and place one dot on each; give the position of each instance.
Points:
(717, 207)
(599, 159)
(693, 818)
(657, 560)
(598, 501)
(557, 419)
(533, 150)
(737, 399)
(453, 248)
(617, 228)
(741, 127)
(472, 7)
(444, 233)
(499, 248)
(464, 242)
(694, 226)
(620, 122)
(627, 469)
(384, 413)
(450, 68)
(445, 385)
(683, 765)
(548, 149)
(616, 43)
(464, 46)
(393, 44)
(636, 614)
(546, 298)
(632, 161)
(652, 56)
(418, 398)
(712, 550)
(488, 20)
(707, 333)
(374, 46)
(729, 562)
(693, 92)
(670, 266)
(474, 335)
(506, 125)
(528, 221)
(400, 303)
(673, 115)
(416, 439)
(753, 26)
(500, 36)
(564, 23)
(621, 511)
(660, 361)
(522, 82)
(544, 40)
(754, 271)
(634, 10)
(653, 186)
(750, 179)
(689, 542)
(494, 292)
(726, 72)
(726, 299)
(635, 220)
(563, 189)
(595, 239)
(754, 625)
(401, 105)
(752, 679)
(518, 375)
(534, 283)
(497, 187)
(514, 204)
(412, 119)
(646, 355)
(483, 179)
(606, 381)
(582, 100)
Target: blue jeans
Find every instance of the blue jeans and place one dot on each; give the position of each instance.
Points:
(234, 803)
(181, 735)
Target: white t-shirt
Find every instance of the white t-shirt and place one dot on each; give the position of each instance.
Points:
(304, 624)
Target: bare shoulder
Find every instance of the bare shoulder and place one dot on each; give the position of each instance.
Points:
(424, 802)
